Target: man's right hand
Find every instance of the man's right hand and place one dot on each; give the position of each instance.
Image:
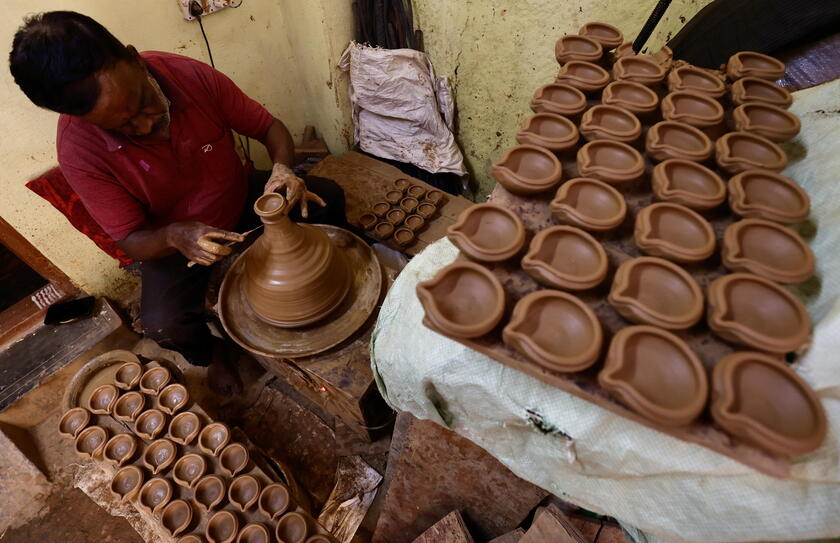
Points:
(198, 242)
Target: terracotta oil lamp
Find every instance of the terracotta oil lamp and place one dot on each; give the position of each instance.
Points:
(566, 257)
(184, 427)
(128, 375)
(669, 139)
(404, 236)
(173, 398)
(772, 122)
(234, 458)
(402, 184)
(664, 57)
(393, 197)
(752, 89)
(383, 230)
(607, 35)
(275, 499)
(752, 64)
(414, 222)
(159, 455)
(209, 492)
(176, 517)
(126, 483)
(694, 108)
(91, 441)
(213, 438)
(589, 204)
(674, 232)
(254, 533)
(368, 220)
(222, 527)
(129, 406)
(549, 130)
(244, 491)
(409, 204)
(634, 97)
(425, 210)
(155, 494)
(690, 78)
(381, 208)
(395, 216)
(739, 151)
(604, 122)
(154, 380)
(189, 469)
(762, 194)
(293, 528)
(119, 449)
(687, 183)
(149, 424)
(584, 76)
(767, 249)
(434, 197)
(639, 69)
(559, 99)
(73, 421)
(102, 400)
(528, 169)
(488, 233)
(610, 161)
(416, 191)
(573, 47)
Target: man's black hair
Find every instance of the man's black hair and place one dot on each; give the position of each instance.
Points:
(55, 56)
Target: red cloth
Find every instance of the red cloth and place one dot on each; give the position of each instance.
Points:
(129, 184)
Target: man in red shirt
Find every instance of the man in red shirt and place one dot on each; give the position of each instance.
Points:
(146, 141)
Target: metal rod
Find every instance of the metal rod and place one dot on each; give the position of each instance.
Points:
(650, 24)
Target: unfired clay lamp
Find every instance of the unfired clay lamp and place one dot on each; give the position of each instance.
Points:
(129, 406)
(694, 108)
(126, 483)
(434, 197)
(149, 424)
(606, 34)
(73, 421)
(556, 330)
(191, 538)
(409, 204)
(383, 231)
(762, 194)
(119, 449)
(155, 494)
(772, 122)
(402, 184)
(222, 527)
(589, 204)
(213, 438)
(753, 89)
(584, 76)
(425, 210)
(756, 312)
(189, 469)
(752, 64)
(254, 533)
(488, 233)
(610, 161)
(414, 222)
(367, 220)
(573, 47)
(674, 232)
(639, 69)
(669, 139)
(650, 290)
(318, 538)
(656, 374)
(159, 455)
(634, 97)
(176, 517)
(554, 132)
(664, 57)
(687, 183)
(294, 275)
(128, 375)
(102, 400)
(764, 402)
(209, 492)
(528, 169)
(560, 99)
(403, 236)
(275, 500)
(395, 216)
(463, 300)
(184, 427)
(173, 398)
(154, 380)
(292, 528)
(739, 151)
(244, 492)
(767, 249)
(566, 257)
(416, 191)
(393, 197)
(381, 208)
(691, 78)
(234, 458)
(91, 441)
(603, 122)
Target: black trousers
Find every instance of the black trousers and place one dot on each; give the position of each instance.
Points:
(172, 295)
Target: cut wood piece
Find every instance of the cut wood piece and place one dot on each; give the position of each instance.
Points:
(449, 529)
(510, 537)
(550, 524)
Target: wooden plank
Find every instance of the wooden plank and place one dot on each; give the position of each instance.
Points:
(510, 537)
(550, 524)
(449, 529)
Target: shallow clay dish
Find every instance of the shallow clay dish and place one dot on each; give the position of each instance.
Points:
(126, 483)
(393, 197)
(556, 330)
(584, 76)
(694, 108)
(650, 290)
(159, 455)
(119, 449)
(128, 375)
(574, 47)
(549, 130)
(674, 232)
(292, 528)
(209, 492)
(756, 312)
(739, 151)
(764, 402)
(669, 139)
(687, 183)
(752, 64)
(176, 517)
(184, 427)
(772, 122)
(368, 220)
(244, 491)
(409, 204)
(149, 424)
(73, 421)
(102, 400)
(691, 78)
(589, 204)
(488, 233)
(254, 533)
(275, 500)
(155, 494)
(463, 300)
(753, 89)
(129, 406)
(426, 210)
(528, 169)
(416, 191)
(566, 257)
(189, 469)
(222, 527)
(634, 97)
(154, 380)
(383, 230)
(767, 249)
(234, 459)
(173, 398)
(610, 161)
(603, 122)
(414, 222)
(639, 69)
(213, 438)
(395, 216)
(91, 441)
(381, 208)
(664, 57)
(656, 374)
(606, 34)
(762, 194)
(434, 197)
(560, 99)
(403, 236)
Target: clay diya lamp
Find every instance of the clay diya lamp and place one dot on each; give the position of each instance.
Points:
(753, 89)
(234, 458)
(155, 494)
(91, 441)
(767, 249)
(318, 538)
(687, 183)
(154, 380)
(191, 538)
(119, 449)
(173, 398)
(244, 492)
(222, 527)
(654, 373)
(293, 528)
(393, 197)
(409, 204)
(368, 220)
(488, 233)
(589, 204)
(126, 483)
(159, 455)
(189, 469)
(761, 194)
(404, 236)
(528, 169)
(634, 97)
(573, 47)
(184, 428)
(753, 311)
(548, 130)
(414, 222)
(610, 161)
(772, 122)
(275, 500)
(402, 184)
(150, 424)
(254, 533)
(639, 69)
(752, 64)
(610, 123)
(566, 257)
(209, 492)
(664, 57)
(691, 78)
(381, 208)
(739, 151)
(102, 400)
(584, 76)
(73, 421)
(395, 216)
(463, 300)
(425, 210)
(559, 99)
(649, 290)
(674, 232)
(694, 108)
(176, 517)
(434, 197)
(383, 231)
(129, 406)
(556, 330)
(669, 139)
(213, 438)
(128, 375)
(764, 402)
(416, 191)
(606, 34)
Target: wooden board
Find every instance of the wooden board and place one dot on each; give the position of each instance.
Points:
(550, 524)
(449, 529)
(510, 537)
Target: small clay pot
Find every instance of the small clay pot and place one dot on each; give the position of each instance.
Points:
(293, 527)
(739, 151)
(149, 424)
(402, 184)
(222, 527)
(528, 169)
(764, 402)
(756, 312)
(173, 398)
(691, 78)
(184, 427)
(639, 69)
(209, 492)
(654, 373)
(275, 499)
(155, 494)
(556, 330)
(243, 492)
(589, 204)
(409, 204)
(154, 380)
(383, 230)
(234, 458)
(463, 300)
(254, 533)
(674, 232)
(649, 290)
(606, 34)
(610, 161)
(771, 122)
(126, 483)
(584, 76)
(191, 538)
(566, 257)
(416, 191)
(414, 222)
(694, 108)
(559, 99)
(129, 406)
(767, 249)
(213, 438)
(318, 538)
(762, 194)
(119, 449)
(687, 183)
(128, 375)
(73, 421)
(634, 97)
(91, 441)
(176, 517)
(102, 400)
(664, 57)
(393, 197)
(488, 233)
(159, 455)
(189, 469)
(434, 197)
(548, 130)
(752, 64)
(610, 123)
(669, 139)
(404, 236)
(426, 210)
(573, 47)
(395, 216)
(753, 89)
(368, 220)
(381, 208)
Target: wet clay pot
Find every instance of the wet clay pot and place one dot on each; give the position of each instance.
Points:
(128, 375)
(404, 237)
(559, 99)
(589, 204)
(184, 428)
(753, 311)
(762, 194)
(739, 151)
(639, 69)
(649, 290)
(154, 380)
(566, 257)
(767, 249)
(463, 300)
(425, 210)
(126, 483)
(176, 517)
(254, 533)
(383, 231)
(368, 220)
(189, 469)
(753, 89)
(155, 494)
(244, 491)
(149, 424)
(395, 216)
(573, 47)
(771, 122)
(209, 492)
(607, 35)
(687, 183)
(414, 222)
(691, 78)
(294, 275)
(674, 232)
(694, 108)
(556, 330)
(73, 421)
(91, 441)
(234, 458)
(129, 406)
(293, 528)
(222, 527)
(416, 191)
(173, 398)
(654, 373)
(528, 169)
(275, 500)
(102, 400)
(664, 57)
(381, 208)
(584, 76)
(764, 402)
(160, 455)
(488, 233)
(634, 97)
(402, 184)
(610, 161)
(434, 197)
(119, 449)
(213, 438)
(669, 139)
(393, 197)
(409, 204)
(548, 130)
(752, 64)
(610, 123)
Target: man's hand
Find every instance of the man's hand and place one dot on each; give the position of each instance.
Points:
(197, 241)
(284, 178)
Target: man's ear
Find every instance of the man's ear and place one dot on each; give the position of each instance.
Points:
(135, 56)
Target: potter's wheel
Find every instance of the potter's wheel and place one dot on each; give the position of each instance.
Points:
(257, 336)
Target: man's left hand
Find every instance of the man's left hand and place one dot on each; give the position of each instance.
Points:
(282, 177)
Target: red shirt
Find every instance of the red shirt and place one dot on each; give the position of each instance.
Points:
(196, 175)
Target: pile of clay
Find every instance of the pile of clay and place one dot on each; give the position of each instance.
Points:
(406, 210)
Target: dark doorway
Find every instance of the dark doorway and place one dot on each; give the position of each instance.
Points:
(17, 279)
